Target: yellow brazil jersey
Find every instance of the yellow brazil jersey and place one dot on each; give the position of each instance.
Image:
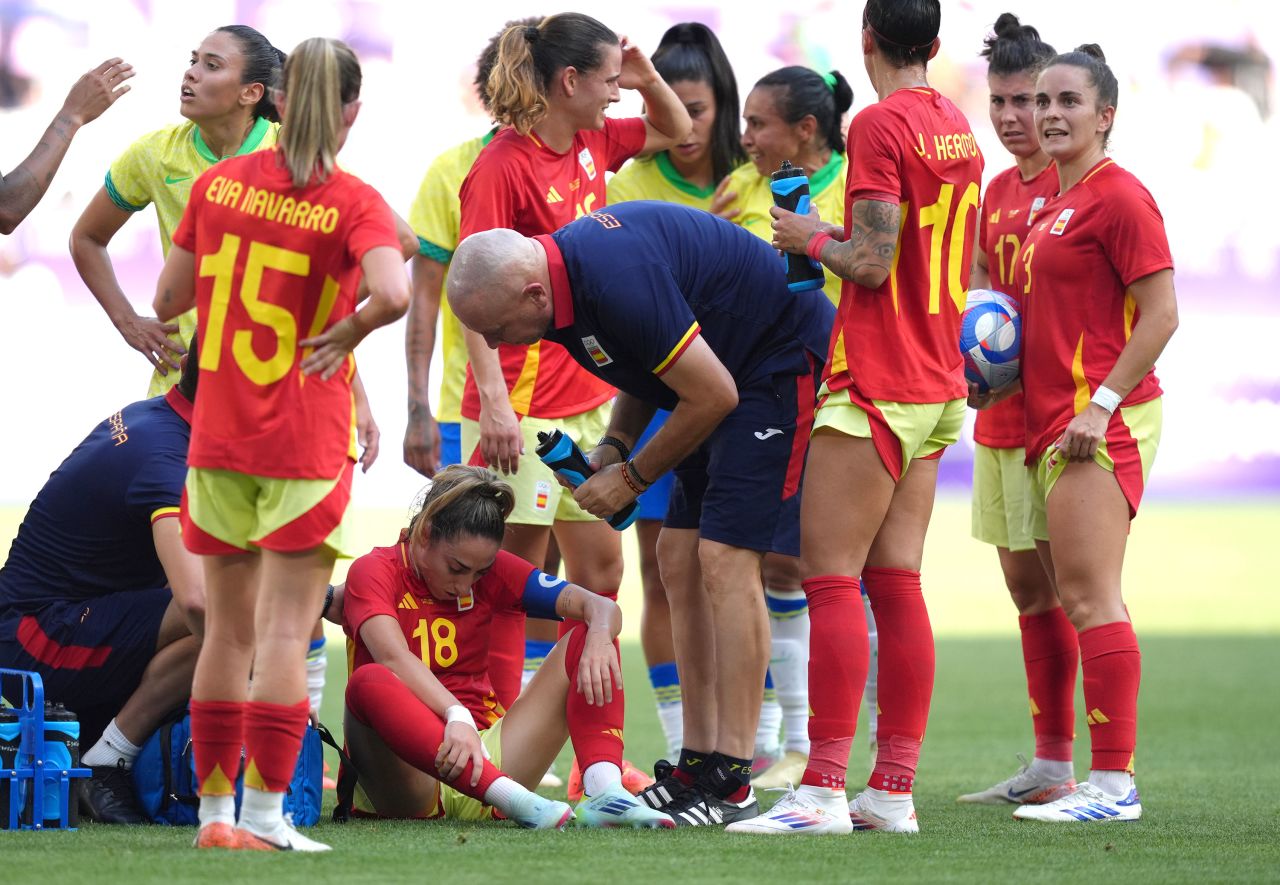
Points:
(159, 169)
(435, 216)
(754, 200)
(655, 178)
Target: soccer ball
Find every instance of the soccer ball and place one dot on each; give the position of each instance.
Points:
(990, 339)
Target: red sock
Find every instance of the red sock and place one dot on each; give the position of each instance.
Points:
(506, 654)
(272, 739)
(1112, 667)
(378, 699)
(1051, 654)
(838, 660)
(217, 736)
(906, 664)
(569, 623)
(596, 732)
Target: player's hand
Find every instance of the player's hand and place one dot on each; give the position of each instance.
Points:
(501, 442)
(314, 718)
(598, 670)
(721, 199)
(1079, 442)
(329, 351)
(150, 337)
(461, 745)
(637, 71)
(422, 442)
(367, 432)
(978, 400)
(97, 90)
(605, 492)
(791, 232)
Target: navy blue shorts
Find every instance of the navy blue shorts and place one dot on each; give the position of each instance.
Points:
(450, 443)
(90, 653)
(742, 485)
(653, 503)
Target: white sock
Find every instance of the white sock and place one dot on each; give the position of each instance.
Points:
(217, 810)
(260, 811)
(1053, 769)
(873, 671)
(671, 716)
(665, 679)
(1113, 783)
(508, 797)
(317, 664)
(789, 663)
(112, 749)
(770, 724)
(599, 777)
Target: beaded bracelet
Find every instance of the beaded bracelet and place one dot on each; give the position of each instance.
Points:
(630, 468)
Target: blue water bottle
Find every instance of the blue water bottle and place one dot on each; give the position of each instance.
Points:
(563, 456)
(790, 188)
(61, 752)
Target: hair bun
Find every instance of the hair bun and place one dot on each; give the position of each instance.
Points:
(531, 33)
(1007, 25)
(1092, 49)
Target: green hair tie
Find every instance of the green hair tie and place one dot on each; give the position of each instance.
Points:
(830, 79)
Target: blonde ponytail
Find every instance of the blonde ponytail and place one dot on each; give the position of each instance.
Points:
(321, 76)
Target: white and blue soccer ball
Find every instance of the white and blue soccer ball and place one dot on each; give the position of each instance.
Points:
(990, 339)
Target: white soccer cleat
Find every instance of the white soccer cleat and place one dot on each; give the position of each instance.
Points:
(282, 838)
(1085, 804)
(799, 812)
(782, 774)
(874, 810)
(1027, 787)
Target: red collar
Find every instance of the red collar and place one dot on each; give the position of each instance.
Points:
(180, 404)
(561, 293)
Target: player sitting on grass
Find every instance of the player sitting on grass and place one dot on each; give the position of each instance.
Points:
(419, 614)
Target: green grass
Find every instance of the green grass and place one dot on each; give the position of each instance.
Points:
(1206, 770)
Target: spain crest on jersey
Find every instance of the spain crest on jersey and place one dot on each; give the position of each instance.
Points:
(595, 351)
(1061, 224)
(588, 163)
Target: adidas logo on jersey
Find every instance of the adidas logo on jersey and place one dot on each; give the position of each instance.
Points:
(408, 602)
(553, 195)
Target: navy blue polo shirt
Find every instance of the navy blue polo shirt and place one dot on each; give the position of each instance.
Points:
(88, 532)
(634, 284)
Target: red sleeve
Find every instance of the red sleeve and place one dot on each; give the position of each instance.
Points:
(503, 586)
(1136, 243)
(372, 225)
(489, 196)
(874, 161)
(373, 588)
(623, 139)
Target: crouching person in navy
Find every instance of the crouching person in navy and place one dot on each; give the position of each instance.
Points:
(683, 311)
(100, 597)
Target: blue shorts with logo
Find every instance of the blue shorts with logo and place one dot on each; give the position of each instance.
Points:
(450, 443)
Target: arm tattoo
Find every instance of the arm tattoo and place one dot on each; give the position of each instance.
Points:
(873, 240)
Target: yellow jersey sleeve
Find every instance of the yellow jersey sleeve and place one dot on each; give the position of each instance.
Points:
(655, 178)
(436, 213)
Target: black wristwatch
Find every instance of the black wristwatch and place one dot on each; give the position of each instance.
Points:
(615, 443)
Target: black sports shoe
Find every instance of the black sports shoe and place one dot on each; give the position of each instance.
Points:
(109, 798)
(667, 788)
(698, 808)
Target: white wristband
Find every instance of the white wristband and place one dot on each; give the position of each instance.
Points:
(459, 713)
(1106, 398)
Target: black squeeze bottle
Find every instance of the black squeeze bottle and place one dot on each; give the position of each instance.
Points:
(790, 188)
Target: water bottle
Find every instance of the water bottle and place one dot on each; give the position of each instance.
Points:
(10, 735)
(563, 456)
(790, 188)
(61, 752)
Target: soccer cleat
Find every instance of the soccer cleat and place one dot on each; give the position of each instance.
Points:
(667, 788)
(551, 780)
(698, 808)
(799, 812)
(109, 797)
(1085, 804)
(615, 807)
(633, 779)
(217, 835)
(782, 774)
(1027, 787)
(283, 837)
(873, 810)
(534, 812)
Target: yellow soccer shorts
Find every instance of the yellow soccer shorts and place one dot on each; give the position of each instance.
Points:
(901, 432)
(1002, 498)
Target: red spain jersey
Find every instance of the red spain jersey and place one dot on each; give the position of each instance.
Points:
(1008, 208)
(1087, 247)
(452, 638)
(518, 182)
(898, 342)
(275, 264)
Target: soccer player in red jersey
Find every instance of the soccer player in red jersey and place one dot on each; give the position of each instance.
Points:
(419, 615)
(892, 400)
(1001, 484)
(271, 250)
(1096, 282)
(550, 88)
